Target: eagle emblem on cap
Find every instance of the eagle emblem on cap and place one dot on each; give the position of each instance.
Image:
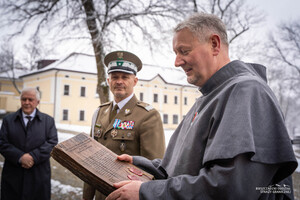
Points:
(120, 55)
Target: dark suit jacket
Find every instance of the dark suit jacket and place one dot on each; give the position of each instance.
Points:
(38, 141)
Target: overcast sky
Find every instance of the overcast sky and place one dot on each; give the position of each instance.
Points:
(276, 11)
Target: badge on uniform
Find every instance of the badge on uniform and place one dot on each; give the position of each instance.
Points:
(127, 111)
(122, 146)
(98, 131)
(114, 133)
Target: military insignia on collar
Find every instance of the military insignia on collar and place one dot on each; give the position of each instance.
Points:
(149, 107)
(127, 111)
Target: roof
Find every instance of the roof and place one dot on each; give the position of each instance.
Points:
(76, 62)
(9, 74)
(170, 75)
(84, 63)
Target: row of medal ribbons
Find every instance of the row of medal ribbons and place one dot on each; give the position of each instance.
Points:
(118, 124)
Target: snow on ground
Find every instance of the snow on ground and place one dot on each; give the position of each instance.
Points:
(298, 168)
(64, 136)
(297, 152)
(73, 128)
(168, 134)
(58, 187)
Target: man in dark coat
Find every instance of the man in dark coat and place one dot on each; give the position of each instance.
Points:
(26, 140)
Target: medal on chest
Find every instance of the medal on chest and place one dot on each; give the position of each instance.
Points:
(123, 146)
(114, 133)
(97, 131)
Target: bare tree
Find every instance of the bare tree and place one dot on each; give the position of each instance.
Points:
(282, 52)
(10, 65)
(239, 17)
(35, 51)
(236, 14)
(285, 46)
(102, 20)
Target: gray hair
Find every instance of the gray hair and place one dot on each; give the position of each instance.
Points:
(202, 25)
(37, 93)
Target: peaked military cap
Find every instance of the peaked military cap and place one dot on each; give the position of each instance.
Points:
(122, 61)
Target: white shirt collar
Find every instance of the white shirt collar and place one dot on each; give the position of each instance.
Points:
(32, 114)
(122, 103)
(24, 116)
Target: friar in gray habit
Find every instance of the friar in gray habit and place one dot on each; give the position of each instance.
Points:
(233, 143)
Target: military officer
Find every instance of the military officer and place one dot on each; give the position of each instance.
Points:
(126, 125)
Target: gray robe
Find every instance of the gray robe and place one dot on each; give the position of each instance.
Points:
(232, 143)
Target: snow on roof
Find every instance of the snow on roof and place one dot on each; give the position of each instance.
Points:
(77, 62)
(85, 63)
(9, 74)
(170, 75)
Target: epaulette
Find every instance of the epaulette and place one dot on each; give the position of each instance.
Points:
(105, 104)
(144, 105)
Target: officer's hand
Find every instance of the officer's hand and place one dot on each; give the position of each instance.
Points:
(127, 190)
(126, 158)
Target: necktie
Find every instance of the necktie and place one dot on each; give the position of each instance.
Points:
(29, 121)
(113, 112)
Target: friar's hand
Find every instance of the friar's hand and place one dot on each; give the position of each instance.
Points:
(126, 190)
(126, 158)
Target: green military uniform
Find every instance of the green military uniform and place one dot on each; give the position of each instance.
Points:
(135, 130)
(143, 136)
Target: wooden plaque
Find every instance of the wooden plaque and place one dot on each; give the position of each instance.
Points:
(95, 164)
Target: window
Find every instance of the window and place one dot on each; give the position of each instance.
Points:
(175, 100)
(82, 91)
(81, 115)
(165, 119)
(185, 100)
(175, 119)
(165, 98)
(142, 96)
(66, 90)
(155, 98)
(65, 114)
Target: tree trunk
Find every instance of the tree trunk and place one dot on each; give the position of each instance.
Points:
(102, 87)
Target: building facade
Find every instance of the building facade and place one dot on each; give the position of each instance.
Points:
(68, 91)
